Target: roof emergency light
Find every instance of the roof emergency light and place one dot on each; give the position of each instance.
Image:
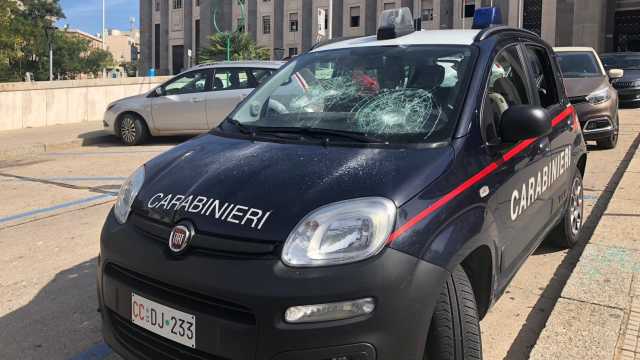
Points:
(485, 17)
(394, 23)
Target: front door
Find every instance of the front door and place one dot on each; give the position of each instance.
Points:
(182, 105)
(518, 204)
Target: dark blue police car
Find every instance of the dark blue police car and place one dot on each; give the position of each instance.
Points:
(370, 201)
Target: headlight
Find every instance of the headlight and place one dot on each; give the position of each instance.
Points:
(339, 233)
(127, 194)
(599, 96)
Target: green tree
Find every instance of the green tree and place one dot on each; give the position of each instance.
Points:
(242, 48)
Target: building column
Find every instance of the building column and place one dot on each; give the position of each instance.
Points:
(188, 33)
(278, 28)
(307, 25)
(336, 19)
(164, 37)
(146, 36)
(252, 18)
(370, 17)
(548, 28)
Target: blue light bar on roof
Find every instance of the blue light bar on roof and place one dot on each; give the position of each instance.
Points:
(485, 17)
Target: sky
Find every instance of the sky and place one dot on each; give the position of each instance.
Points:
(86, 15)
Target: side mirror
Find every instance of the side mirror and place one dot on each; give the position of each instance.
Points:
(615, 73)
(521, 122)
(159, 91)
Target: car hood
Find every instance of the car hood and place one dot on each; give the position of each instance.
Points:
(277, 183)
(576, 87)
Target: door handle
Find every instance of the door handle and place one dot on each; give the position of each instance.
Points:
(545, 145)
(196, 100)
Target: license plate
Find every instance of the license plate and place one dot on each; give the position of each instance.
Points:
(164, 321)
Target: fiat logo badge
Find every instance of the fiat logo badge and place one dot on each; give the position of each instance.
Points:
(179, 238)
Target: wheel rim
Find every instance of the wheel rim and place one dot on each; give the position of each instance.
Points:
(128, 130)
(576, 206)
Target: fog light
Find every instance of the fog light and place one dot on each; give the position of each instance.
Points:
(329, 312)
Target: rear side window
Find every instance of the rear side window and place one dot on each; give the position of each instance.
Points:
(542, 76)
(507, 87)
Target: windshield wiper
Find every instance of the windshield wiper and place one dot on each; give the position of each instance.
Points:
(359, 137)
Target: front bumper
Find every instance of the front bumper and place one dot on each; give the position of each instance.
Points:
(239, 302)
(109, 122)
(597, 121)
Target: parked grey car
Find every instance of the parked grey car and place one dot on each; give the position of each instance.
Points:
(628, 86)
(193, 102)
(589, 89)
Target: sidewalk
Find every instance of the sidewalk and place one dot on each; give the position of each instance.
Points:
(598, 314)
(24, 142)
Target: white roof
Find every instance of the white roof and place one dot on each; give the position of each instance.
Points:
(423, 37)
(573, 49)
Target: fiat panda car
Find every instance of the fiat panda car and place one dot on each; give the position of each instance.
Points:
(356, 206)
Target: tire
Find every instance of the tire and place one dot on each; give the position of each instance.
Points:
(612, 140)
(132, 130)
(567, 232)
(454, 333)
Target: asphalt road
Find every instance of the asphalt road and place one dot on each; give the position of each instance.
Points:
(52, 208)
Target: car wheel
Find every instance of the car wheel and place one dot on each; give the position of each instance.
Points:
(612, 140)
(565, 235)
(454, 333)
(132, 130)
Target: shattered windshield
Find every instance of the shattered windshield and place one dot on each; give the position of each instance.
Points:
(394, 93)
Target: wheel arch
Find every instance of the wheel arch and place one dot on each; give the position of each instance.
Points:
(129, 112)
(479, 268)
(582, 164)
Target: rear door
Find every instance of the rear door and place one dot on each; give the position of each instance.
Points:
(230, 86)
(182, 107)
(547, 82)
(516, 203)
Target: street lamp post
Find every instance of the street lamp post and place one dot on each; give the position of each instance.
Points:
(48, 31)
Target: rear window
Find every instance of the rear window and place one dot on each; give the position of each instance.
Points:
(579, 65)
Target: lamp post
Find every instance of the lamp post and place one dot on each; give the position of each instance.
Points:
(49, 31)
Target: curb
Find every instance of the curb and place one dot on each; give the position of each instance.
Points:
(40, 148)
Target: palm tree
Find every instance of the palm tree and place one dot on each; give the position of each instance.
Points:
(242, 47)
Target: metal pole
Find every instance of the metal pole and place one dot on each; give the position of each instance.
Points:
(104, 17)
(50, 60)
(330, 15)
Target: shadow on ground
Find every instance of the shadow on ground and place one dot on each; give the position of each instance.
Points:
(101, 138)
(538, 316)
(59, 322)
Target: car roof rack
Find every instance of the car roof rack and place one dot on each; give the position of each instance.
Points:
(495, 30)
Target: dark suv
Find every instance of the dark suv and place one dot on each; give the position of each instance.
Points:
(628, 86)
(370, 201)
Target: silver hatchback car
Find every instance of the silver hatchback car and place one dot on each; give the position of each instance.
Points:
(193, 102)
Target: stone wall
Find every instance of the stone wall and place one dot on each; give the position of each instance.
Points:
(39, 104)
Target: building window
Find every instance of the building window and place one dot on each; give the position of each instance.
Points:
(266, 24)
(293, 51)
(157, 5)
(197, 54)
(177, 4)
(354, 13)
(293, 22)
(427, 10)
(241, 27)
(469, 8)
(389, 5)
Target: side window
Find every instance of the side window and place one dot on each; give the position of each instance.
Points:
(542, 76)
(507, 87)
(258, 76)
(189, 83)
(233, 79)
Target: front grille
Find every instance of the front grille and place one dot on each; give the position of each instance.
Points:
(148, 345)
(206, 243)
(186, 298)
(626, 84)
